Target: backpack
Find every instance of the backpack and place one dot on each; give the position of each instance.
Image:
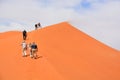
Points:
(34, 46)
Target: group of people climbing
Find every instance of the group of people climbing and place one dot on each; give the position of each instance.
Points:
(38, 25)
(31, 46)
(32, 49)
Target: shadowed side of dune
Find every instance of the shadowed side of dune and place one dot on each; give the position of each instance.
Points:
(66, 54)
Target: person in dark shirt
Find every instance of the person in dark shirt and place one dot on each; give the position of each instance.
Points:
(34, 50)
(39, 25)
(36, 26)
(24, 34)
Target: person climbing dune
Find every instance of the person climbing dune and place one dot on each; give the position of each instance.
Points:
(24, 34)
(24, 49)
(34, 50)
(30, 50)
(39, 25)
(36, 26)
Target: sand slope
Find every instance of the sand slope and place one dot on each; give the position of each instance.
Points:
(65, 53)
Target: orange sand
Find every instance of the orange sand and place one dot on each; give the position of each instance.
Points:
(65, 53)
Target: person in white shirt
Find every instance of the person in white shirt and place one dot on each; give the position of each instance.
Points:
(24, 48)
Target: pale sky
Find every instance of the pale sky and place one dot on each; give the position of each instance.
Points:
(97, 18)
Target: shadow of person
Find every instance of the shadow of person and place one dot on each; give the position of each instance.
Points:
(37, 57)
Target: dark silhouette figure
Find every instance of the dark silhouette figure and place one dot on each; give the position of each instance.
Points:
(24, 35)
(36, 26)
(39, 25)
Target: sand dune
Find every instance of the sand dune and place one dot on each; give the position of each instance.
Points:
(65, 53)
(9, 34)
